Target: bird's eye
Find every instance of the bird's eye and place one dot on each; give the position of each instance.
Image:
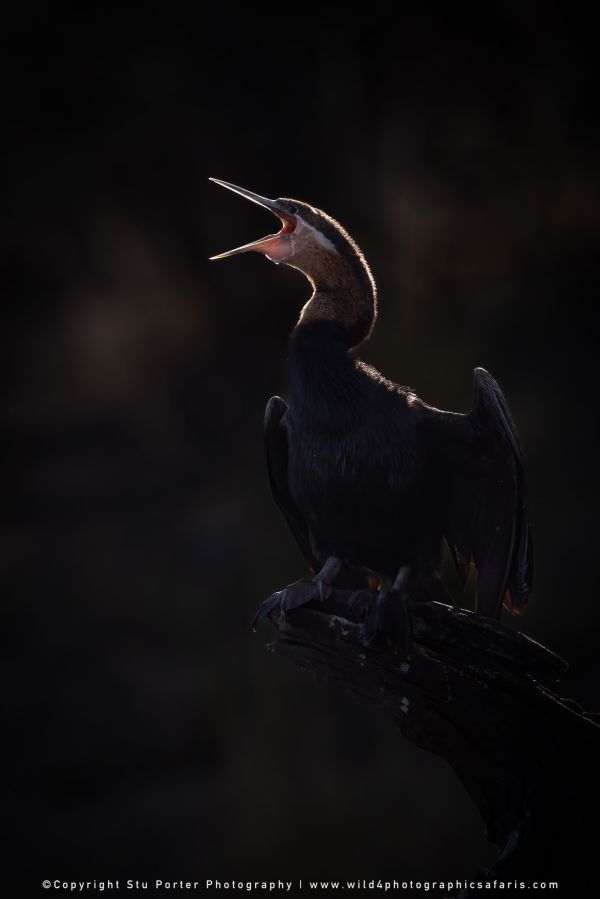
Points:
(293, 208)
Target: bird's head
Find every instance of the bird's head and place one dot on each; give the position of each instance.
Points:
(278, 247)
(315, 244)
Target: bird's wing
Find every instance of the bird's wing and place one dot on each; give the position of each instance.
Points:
(487, 519)
(276, 446)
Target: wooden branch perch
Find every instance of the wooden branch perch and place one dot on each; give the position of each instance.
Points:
(477, 694)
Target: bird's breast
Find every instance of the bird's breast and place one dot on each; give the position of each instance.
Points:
(336, 476)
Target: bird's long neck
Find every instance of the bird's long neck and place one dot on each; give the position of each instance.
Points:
(322, 375)
(340, 314)
(344, 293)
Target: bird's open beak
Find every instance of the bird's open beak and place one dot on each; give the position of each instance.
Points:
(276, 247)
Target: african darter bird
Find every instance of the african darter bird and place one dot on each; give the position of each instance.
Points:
(369, 477)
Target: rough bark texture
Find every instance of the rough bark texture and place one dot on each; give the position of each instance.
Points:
(478, 695)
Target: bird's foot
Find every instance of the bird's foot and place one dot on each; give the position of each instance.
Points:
(269, 605)
(292, 596)
(390, 607)
(301, 592)
(359, 601)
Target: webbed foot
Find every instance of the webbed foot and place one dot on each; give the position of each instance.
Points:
(393, 599)
(301, 592)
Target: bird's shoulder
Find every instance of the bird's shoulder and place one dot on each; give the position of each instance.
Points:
(378, 386)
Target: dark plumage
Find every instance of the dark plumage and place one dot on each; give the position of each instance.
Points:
(366, 474)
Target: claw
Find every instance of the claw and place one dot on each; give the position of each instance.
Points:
(326, 576)
(291, 597)
(301, 592)
(325, 590)
(267, 607)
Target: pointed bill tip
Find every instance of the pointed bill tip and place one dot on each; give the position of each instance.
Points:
(226, 254)
(234, 252)
(221, 256)
(247, 194)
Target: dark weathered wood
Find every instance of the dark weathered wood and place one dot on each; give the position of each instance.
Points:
(477, 694)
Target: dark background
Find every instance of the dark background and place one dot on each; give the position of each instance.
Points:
(152, 733)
